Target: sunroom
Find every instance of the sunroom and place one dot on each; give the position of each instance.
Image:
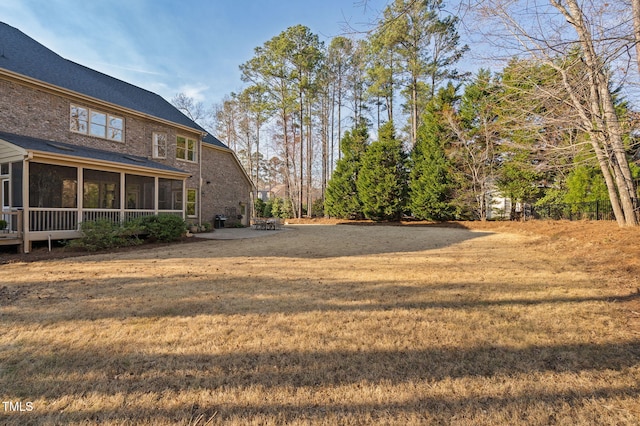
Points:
(50, 188)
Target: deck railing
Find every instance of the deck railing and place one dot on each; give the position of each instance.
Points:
(49, 219)
(59, 219)
(14, 223)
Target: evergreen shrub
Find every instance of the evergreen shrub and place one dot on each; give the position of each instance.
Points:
(163, 227)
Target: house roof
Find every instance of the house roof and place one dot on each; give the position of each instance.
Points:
(53, 147)
(212, 140)
(23, 55)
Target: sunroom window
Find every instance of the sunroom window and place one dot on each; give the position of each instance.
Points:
(140, 192)
(101, 189)
(169, 194)
(52, 186)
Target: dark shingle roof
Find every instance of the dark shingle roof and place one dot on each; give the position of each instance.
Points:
(42, 145)
(21, 54)
(212, 140)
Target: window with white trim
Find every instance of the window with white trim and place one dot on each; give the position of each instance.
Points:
(192, 196)
(159, 145)
(185, 149)
(96, 123)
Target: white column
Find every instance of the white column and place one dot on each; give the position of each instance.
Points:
(80, 195)
(123, 196)
(25, 206)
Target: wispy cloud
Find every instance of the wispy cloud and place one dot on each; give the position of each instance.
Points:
(129, 68)
(195, 91)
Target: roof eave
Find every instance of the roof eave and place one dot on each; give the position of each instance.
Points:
(35, 155)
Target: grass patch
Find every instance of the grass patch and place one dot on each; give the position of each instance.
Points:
(325, 325)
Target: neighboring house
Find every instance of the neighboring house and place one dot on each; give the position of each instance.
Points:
(78, 145)
(499, 207)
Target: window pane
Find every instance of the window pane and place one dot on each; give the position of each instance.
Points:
(98, 124)
(180, 153)
(79, 119)
(191, 150)
(115, 123)
(181, 146)
(115, 135)
(52, 186)
(159, 145)
(5, 193)
(191, 202)
(16, 183)
(115, 128)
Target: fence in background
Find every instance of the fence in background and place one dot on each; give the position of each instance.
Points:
(595, 210)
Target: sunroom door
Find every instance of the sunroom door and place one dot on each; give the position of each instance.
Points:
(6, 204)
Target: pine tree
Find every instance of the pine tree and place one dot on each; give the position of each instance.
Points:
(341, 198)
(382, 181)
(430, 183)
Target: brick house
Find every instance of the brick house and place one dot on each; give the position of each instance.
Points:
(77, 145)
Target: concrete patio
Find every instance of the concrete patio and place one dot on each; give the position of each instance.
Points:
(238, 233)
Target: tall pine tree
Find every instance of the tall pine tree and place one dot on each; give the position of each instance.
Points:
(382, 181)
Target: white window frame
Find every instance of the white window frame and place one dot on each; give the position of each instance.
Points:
(186, 150)
(159, 141)
(187, 203)
(87, 121)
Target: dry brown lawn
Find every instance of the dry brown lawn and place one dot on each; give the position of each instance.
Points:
(332, 324)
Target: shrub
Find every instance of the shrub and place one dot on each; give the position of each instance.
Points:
(317, 208)
(259, 206)
(164, 227)
(104, 234)
(267, 211)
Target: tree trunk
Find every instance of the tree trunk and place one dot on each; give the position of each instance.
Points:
(602, 122)
(414, 111)
(635, 7)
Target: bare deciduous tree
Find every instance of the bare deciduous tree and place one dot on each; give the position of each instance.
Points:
(550, 30)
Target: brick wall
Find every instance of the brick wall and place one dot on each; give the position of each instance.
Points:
(29, 111)
(227, 189)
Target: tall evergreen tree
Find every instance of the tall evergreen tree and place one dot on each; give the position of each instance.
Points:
(382, 181)
(341, 198)
(431, 183)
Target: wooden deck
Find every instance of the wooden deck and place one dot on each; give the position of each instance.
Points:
(11, 239)
(12, 236)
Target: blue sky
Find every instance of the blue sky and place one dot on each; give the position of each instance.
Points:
(173, 46)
